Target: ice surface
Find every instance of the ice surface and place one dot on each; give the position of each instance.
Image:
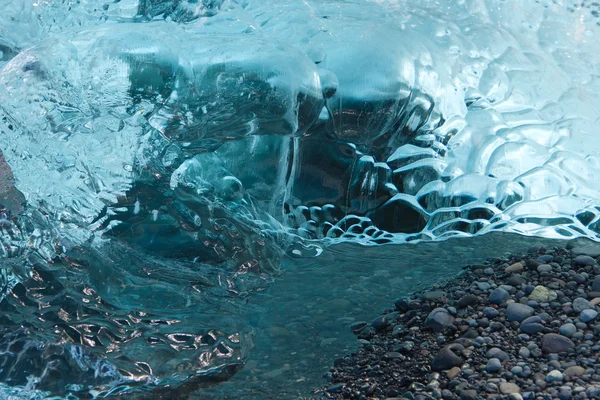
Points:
(160, 157)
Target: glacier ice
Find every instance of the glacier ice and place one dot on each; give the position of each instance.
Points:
(160, 156)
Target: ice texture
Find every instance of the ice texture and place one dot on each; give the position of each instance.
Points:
(160, 157)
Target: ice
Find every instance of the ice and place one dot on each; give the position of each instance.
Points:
(161, 157)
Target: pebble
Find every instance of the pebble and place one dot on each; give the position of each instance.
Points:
(508, 387)
(542, 294)
(498, 296)
(574, 371)
(567, 330)
(580, 304)
(439, 319)
(516, 267)
(447, 358)
(518, 312)
(584, 260)
(467, 300)
(544, 268)
(555, 343)
(554, 376)
(588, 315)
(493, 365)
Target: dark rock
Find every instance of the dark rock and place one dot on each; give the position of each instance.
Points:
(516, 280)
(468, 394)
(555, 343)
(495, 352)
(493, 365)
(467, 300)
(434, 295)
(380, 323)
(499, 296)
(584, 260)
(439, 319)
(446, 358)
(518, 312)
(335, 388)
(596, 284)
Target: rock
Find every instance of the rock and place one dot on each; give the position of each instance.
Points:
(515, 396)
(380, 323)
(495, 352)
(544, 268)
(555, 343)
(543, 295)
(588, 315)
(567, 330)
(516, 267)
(467, 300)
(335, 388)
(595, 301)
(499, 296)
(532, 325)
(491, 312)
(596, 284)
(508, 387)
(584, 260)
(439, 319)
(574, 371)
(493, 365)
(453, 372)
(591, 250)
(554, 376)
(468, 395)
(518, 312)
(434, 295)
(516, 280)
(483, 285)
(447, 358)
(580, 304)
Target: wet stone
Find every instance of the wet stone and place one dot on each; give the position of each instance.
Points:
(554, 343)
(518, 312)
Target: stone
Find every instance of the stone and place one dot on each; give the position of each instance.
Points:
(434, 295)
(439, 319)
(555, 343)
(495, 352)
(544, 268)
(453, 372)
(446, 358)
(567, 330)
(499, 296)
(508, 387)
(335, 388)
(588, 315)
(515, 396)
(491, 312)
(580, 304)
(516, 280)
(516, 267)
(554, 376)
(542, 294)
(467, 300)
(595, 301)
(584, 260)
(596, 284)
(532, 325)
(518, 312)
(468, 394)
(380, 323)
(574, 371)
(493, 365)
(483, 285)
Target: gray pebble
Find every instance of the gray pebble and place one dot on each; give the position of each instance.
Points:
(580, 304)
(588, 315)
(499, 296)
(518, 312)
(493, 365)
(567, 330)
(554, 376)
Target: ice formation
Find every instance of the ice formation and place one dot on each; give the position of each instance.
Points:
(159, 156)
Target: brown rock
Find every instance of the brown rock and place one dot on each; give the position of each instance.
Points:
(574, 371)
(516, 267)
(507, 388)
(453, 372)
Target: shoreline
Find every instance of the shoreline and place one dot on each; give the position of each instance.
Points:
(524, 326)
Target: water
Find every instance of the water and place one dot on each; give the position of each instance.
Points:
(199, 191)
